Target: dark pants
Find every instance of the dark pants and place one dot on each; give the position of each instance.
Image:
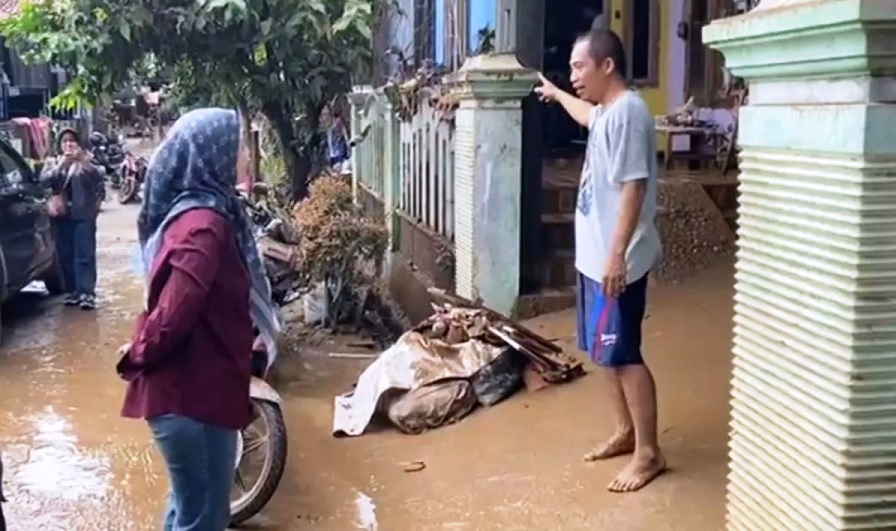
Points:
(609, 330)
(76, 248)
(201, 461)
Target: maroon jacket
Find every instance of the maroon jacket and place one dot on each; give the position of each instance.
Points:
(190, 353)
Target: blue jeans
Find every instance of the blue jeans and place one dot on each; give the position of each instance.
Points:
(76, 249)
(201, 461)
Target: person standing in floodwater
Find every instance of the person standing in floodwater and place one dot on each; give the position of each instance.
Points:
(188, 365)
(617, 244)
(80, 185)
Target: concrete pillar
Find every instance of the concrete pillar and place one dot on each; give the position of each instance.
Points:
(392, 178)
(358, 100)
(813, 429)
(487, 173)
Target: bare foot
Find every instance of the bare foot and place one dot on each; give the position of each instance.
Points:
(638, 473)
(621, 443)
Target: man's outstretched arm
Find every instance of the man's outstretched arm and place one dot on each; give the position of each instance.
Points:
(578, 110)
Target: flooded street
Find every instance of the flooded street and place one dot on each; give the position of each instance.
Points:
(71, 463)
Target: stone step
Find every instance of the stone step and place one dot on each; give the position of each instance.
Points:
(558, 200)
(559, 218)
(555, 270)
(546, 300)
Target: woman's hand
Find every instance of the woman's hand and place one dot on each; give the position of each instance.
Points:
(124, 350)
(126, 368)
(258, 345)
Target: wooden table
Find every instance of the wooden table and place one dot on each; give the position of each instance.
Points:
(696, 138)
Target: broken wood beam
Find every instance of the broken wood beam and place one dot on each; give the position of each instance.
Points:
(457, 300)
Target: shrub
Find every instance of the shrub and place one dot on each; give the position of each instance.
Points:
(339, 245)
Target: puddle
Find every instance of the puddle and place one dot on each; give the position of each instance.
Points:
(366, 513)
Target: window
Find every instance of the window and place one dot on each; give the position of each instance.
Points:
(440, 24)
(424, 30)
(642, 42)
(481, 23)
(456, 30)
(450, 32)
(12, 174)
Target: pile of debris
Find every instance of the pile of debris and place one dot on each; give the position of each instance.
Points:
(684, 116)
(694, 232)
(455, 325)
(459, 358)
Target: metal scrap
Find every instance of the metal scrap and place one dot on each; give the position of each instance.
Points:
(457, 320)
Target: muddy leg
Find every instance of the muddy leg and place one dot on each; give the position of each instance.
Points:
(623, 439)
(647, 462)
(591, 315)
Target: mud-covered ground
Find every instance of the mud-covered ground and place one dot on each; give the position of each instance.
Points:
(72, 464)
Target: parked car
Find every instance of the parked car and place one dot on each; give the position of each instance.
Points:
(27, 243)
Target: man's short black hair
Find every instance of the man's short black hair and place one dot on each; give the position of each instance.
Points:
(606, 44)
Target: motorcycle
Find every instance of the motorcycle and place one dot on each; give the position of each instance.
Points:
(133, 174)
(267, 431)
(108, 154)
(263, 444)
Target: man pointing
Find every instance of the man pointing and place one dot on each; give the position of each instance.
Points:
(617, 244)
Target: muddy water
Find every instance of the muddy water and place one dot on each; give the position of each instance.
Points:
(72, 464)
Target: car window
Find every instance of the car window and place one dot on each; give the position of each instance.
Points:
(11, 169)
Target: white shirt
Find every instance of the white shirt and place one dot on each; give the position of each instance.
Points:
(621, 148)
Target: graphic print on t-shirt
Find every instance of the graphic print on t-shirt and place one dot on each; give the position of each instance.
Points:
(586, 191)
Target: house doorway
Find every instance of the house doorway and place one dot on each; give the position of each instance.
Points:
(563, 137)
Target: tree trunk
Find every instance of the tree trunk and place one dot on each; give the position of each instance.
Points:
(297, 162)
(248, 142)
(299, 166)
(301, 155)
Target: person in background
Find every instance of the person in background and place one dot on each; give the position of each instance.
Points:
(79, 184)
(617, 244)
(337, 140)
(188, 364)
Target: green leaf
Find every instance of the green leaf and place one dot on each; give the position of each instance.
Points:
(125, 29)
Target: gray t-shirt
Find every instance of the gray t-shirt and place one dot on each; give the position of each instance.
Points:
(621, 148)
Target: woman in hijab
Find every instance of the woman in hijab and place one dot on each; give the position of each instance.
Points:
(78, 185)
(187, 365)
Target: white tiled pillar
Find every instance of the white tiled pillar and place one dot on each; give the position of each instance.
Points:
(813, 407)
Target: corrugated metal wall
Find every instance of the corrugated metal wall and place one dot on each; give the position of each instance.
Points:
(28, 76)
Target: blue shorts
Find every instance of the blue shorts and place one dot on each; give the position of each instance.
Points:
(609, 330)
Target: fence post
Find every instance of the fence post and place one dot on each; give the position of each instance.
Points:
(357, 98)
(392, 178)
(488, 179)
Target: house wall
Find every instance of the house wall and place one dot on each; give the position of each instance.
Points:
(676, 62)
(654, 96)
(676, 68)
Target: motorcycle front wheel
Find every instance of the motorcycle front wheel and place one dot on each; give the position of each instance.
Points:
(260, 461)
(127, 190)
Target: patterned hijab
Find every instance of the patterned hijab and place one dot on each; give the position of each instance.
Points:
(195, 167)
